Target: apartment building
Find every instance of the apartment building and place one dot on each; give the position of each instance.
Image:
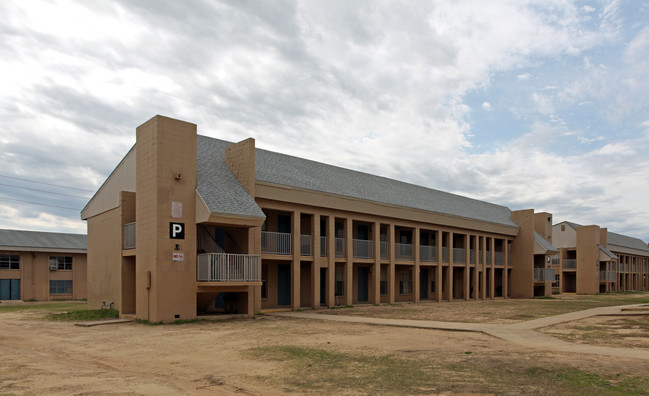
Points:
(187, 224)
(593, 260)
(42, 266)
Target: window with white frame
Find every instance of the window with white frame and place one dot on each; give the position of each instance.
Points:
(405, 282)
(61, 263)
(60, 287)
(9, 261)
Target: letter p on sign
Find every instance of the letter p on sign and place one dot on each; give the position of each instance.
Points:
(177, 230)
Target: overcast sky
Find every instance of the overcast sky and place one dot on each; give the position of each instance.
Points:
(526, 104)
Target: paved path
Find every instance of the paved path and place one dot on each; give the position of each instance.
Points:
(521, 333)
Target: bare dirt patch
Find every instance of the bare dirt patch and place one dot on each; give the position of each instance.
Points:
(625, 331)
(272, 355)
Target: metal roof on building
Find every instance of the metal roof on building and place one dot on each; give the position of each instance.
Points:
(626, 241)
(42, 240)
(223, 193)
(608, 253)
(544, 244)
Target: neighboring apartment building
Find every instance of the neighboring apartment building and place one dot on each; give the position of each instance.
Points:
(593, 260)
(188, 224)
(42, 265)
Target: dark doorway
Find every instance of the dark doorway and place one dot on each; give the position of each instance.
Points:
(283, 284)
(423, 284)
(284, 224)
(363, 275)
(323, 286)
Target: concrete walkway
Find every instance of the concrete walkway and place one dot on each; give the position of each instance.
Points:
(521, 333)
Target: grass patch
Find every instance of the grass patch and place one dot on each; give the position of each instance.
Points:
(91, 314)
(52, 307)
(313, 370)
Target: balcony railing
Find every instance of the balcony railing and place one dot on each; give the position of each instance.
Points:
(607, 276)
(363, 248)
(305, 245)
(428, 253)
(129, 236)
(499, 258)
(459, 255)
(275, 242)
(225, 267)
(384, 250)
(570, 264)
(488, 258)
(403, 251)
(544, 274)
(445, 254)
(323, 246)
(340, 247)
(471, 256)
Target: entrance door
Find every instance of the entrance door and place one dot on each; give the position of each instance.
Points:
(423, 284)
(283, 284)
(9, 289)
(363, 284)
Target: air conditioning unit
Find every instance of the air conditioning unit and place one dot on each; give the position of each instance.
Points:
(54, 266)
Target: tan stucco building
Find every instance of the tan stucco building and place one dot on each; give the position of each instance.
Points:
(593, 260)
(42, 266)
(187, 224)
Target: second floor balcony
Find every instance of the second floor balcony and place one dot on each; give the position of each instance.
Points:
(363, 248)
(226, 267)
(569, 264)
(607, 276)
(544, 275)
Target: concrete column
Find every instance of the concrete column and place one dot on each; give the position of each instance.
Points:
(315, 267)
(492, 275)
(391, 280)
(295, 266)
(476, 266)
(506, 270)
(467, 260)
(415, 274)
(349, 265)
(376, 270)
(438, 270)
(483, 266)
(331, 258)
(449, 273)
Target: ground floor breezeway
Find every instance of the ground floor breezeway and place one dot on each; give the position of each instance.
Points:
(305, 284)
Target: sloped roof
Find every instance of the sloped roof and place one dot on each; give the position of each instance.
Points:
(42, 240)
(297, 172)
(608, 253)
(217, 185)
(626, 241)
(544, 244)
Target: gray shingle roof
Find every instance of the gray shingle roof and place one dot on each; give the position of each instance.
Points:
(218, 185)
(626, 241)
(608, 252)
(544, 243)
(42, 240)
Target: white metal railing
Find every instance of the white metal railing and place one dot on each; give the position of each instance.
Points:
(459, 255)
(305, 245)
(403, 251)
(340, 247)
(323, 246)
(363, 248)
(556, 260)
(275, 242)
(499, 258)
(226, 267)
(384, 250)
(570, 264)
(129, 236)
(471, 256)
(626, 267)
(607, 276)
(488, 258)
(428, 253)
(544, 274)
(445, 254)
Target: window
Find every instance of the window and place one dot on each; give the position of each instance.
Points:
(405, 282)
(60, 287)
(340, 282)
(61, 263)
(9, 261)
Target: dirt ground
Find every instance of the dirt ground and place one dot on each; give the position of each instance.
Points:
(232, 357)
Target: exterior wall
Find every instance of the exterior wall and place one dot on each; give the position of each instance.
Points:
(166, 172)
(564, 236)
(35, 275)
(240, 157)
(104, 259)
(522, 282)
(588, 259)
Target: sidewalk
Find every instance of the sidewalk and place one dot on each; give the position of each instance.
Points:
(521, 333)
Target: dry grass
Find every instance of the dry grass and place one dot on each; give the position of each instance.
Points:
(614, 331)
